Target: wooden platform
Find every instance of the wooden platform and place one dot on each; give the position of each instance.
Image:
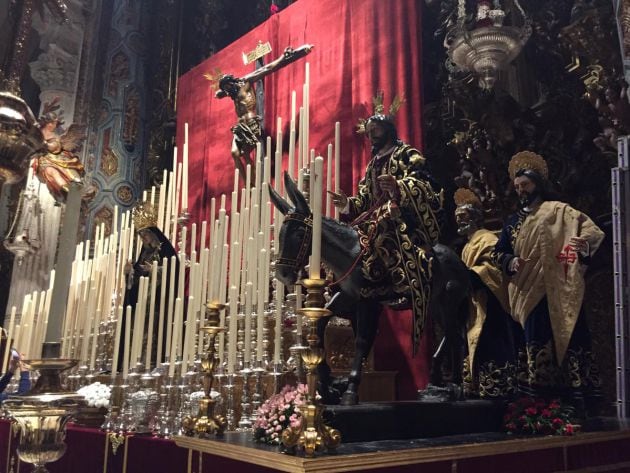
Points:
(604, 451)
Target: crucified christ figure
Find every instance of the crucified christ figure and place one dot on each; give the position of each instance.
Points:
(247, 131)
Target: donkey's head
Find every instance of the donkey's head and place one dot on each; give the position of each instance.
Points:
(294, 239)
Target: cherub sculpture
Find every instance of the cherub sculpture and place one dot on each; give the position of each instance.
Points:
(59, 166)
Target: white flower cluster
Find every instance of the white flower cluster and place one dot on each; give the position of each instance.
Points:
(96, 394)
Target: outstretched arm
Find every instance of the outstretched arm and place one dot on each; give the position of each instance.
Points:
(288, 56)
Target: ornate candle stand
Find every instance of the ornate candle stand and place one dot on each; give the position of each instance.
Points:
(294, 363)
(41, 416)
(207, 422)
(258, 395)
(312, 432)
(144, 405)
(167, 405)
(245, 422)
(230, 413)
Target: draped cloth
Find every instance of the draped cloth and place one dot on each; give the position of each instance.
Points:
(476, 255)
(552, 269)
(360, 47)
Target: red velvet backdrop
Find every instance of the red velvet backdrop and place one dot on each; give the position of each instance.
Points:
(361, 46)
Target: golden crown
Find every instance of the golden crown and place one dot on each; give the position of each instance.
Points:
(530, 161)
(144, 216)
(466, 197)
(379, 109)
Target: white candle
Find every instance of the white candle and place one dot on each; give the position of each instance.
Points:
(277, 346)
(329, 165)
(9, 336)
(185, 170)
(163, 284)
(189, 335)
(232, 329)
(176, 328)
(259, 159)
(171, 303)
(97, 317)
(89, 319)
(151, 328)
(261, 314)
(162, 200)
(291, 153)
(168, 206)
(193, 244)
(248, 322)
(127, 346)
(316, 199)
(300, 156)
(119, 317)
(337, 163)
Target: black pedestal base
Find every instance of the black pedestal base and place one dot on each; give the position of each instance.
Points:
(414, 419)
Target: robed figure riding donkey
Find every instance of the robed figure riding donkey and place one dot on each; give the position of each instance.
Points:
(347, 253)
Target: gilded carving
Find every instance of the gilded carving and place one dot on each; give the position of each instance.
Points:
(125, 194)
(132, 119)
(109, 162)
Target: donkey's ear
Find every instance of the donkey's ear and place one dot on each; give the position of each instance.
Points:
(301, 205)
(277, 200)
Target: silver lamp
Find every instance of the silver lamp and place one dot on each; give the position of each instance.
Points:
(489, 46)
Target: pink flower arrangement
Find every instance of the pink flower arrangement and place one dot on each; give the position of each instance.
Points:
(537, 416)
(279, 412)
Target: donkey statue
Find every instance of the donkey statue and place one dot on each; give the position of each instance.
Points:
(341, 254)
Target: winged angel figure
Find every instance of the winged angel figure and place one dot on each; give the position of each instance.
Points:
(59, 165)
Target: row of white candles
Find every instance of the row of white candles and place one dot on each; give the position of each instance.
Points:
(96, 292)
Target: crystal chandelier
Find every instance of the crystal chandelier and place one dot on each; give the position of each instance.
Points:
(489, 46)
(24, 236)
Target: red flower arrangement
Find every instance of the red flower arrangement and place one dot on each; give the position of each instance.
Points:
(538, 416)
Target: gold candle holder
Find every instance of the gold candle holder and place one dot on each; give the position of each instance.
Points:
(207, 422)
(312, 433)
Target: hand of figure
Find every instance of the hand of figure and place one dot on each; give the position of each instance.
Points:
(579, 245)
(387, 183)
(128, 267)
(517, 264)
(339, 200)
(146, 267)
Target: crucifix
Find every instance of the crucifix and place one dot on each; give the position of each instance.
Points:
(243, 92)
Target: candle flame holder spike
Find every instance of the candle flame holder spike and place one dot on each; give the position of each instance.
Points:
(312, 433)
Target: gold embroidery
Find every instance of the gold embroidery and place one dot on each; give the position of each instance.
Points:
(578, 370)
(116, 440)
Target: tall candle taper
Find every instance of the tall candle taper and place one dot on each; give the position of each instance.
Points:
(150, 329)
(277, 346)
(119, 317)
(10, 334)
(316, 206)
(185, 170)
(127, 346)
(248, 321)
(67, 241)
(337, 163)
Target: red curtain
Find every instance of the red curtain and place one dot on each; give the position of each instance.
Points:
(361, 46)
